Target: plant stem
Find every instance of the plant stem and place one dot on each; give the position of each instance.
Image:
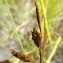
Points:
(40, 55)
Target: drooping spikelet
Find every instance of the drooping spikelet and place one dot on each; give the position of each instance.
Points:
(36, 37)
(22, 56)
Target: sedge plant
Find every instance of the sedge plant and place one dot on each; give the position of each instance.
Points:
(47, 12)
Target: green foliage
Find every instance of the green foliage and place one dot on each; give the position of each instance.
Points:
(48, 15)
(50, 12)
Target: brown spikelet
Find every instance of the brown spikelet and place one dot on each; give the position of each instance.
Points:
(22, 56)
(36, 37)
(38, 16)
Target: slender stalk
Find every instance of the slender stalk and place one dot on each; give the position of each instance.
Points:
(40, 53)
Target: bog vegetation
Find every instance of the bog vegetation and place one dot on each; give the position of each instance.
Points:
(45, 37)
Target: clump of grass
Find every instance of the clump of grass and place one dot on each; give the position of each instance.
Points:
(45, 20)
(39, 36)
(47, 12)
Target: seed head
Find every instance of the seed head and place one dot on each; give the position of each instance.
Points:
(36, 37)
(22, 56)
